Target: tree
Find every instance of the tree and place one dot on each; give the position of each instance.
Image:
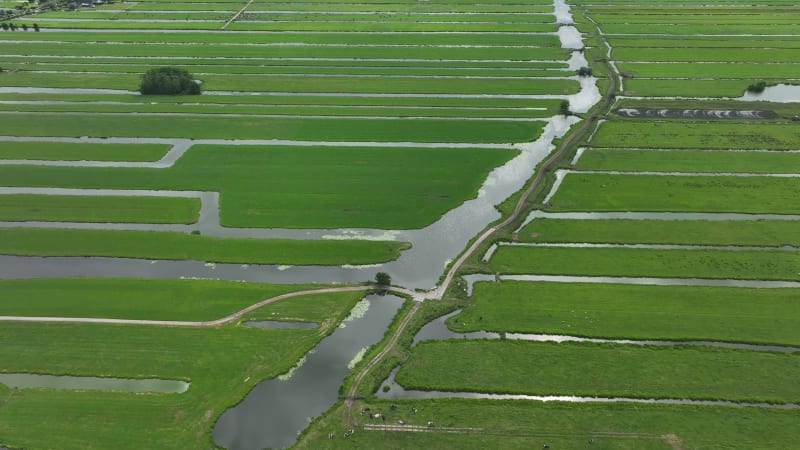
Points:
(36, 27)
(168, 81)
(563, 108)
(383, 279)
(585, 71)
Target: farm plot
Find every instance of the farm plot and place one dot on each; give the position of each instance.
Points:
(73, 151)
(687, 161)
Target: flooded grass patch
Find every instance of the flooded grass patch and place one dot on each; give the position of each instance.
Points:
(765, 316)
(689, 161)
(605, 370)
(692, 193)
(114, 209)
(180, 246)
(757, 233)
(68, 151)
(706, 263)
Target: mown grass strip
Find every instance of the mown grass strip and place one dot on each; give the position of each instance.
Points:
(179, 246)
(629, 262)
(605, 370)
(609, 192)
(759, 233)
(623, 311)
(116, 209)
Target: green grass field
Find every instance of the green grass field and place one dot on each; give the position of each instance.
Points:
(636, 262)
(219, 378)
(179, 246)
(159, 299)
(73, 208)
(302, 187)
(764, 233)
(74, 151)
(697, 134)
(301, 128)
(605, 370)
(524, 425)
(689, 161)
(629, 192)
(767, 316)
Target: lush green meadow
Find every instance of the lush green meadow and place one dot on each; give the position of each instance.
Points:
(74, 208)
(605, 370)
(302, 187)
(646, 262)
(80, 151)
(623, 311)
(697, 134)
(180, 246)
(160, 299)
(696, 193)
(764, 233)
(689, 161)
(219, 378)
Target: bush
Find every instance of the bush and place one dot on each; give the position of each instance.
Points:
(585, 71)
(757, 88)
(168, 81)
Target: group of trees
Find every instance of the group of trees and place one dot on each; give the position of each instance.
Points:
(168, 81)
(13, 27)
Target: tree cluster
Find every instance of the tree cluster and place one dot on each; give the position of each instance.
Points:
(757, 88)
(168, 81)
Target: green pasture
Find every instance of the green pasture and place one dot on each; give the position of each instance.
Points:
(748, 71)
(625, 311)
(695, 193)
(248, 111)
(201, 70)
(765, 233)
(525, 425)
(689, 161)
(159, 299)
(733, 16)
(76, 208)
(219, 378)
(407, 7)
(603, 370)
(234, 101)
(687, 88)
(697, 134)
(698, 28)
(734, 41)
(223, 39)
(302, 187)
(165, 49)
(179, 246)
(301, 128)
(81, 151)
(646, 262)
(393, 18)
(340, 84)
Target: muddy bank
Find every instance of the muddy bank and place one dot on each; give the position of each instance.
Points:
(695, 113)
